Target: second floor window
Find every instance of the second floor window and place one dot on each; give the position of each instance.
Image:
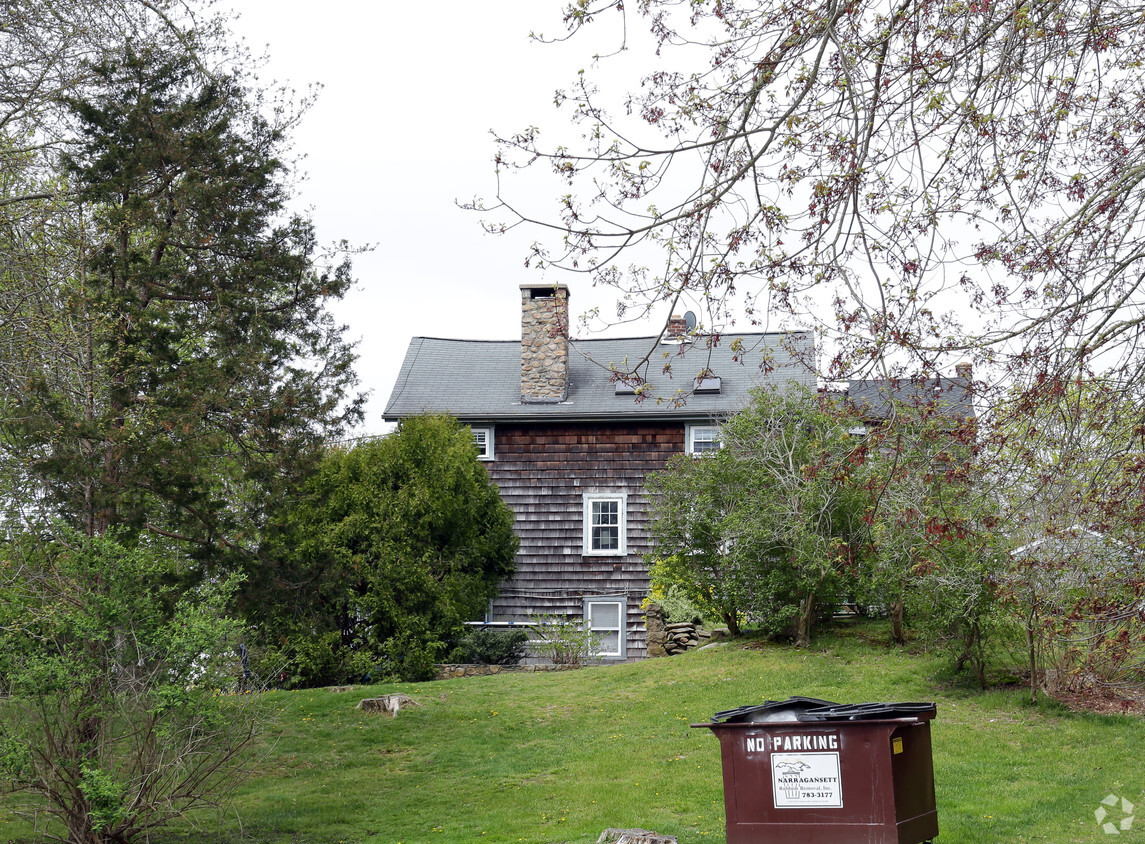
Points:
(704, 438)
(605, 523)
(483, 439)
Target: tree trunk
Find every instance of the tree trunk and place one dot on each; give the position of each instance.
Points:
(1033, 656)
(979, 656)
(897, 632)
(806, 620)
(731, 619)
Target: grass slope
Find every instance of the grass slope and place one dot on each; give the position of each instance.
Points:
(559, 757)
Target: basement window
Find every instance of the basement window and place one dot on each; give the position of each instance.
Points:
(605, 618)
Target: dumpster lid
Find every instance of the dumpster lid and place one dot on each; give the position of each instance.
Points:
(868, 711)
(813, 709)
(772, 710)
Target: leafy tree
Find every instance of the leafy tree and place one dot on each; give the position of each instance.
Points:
(919, 180)
(957, 598)
(397, 542)
(167, 369)
(920, 470)
(1076, 575)
(773, 522)
(692, 512)
(806, 508)
(47, 53)
(190, 368)
(111, 718)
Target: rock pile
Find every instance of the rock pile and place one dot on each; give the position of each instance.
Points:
(669, 639)
(683, 636)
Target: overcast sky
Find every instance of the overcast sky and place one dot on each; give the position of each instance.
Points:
(400, 132)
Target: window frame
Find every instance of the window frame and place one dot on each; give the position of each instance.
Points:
(487, 430)
(691, 439)
(591, 498)
(621, 629)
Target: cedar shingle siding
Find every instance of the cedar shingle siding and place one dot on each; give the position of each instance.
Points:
(544, 470)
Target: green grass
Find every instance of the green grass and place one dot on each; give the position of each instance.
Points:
(559, 757)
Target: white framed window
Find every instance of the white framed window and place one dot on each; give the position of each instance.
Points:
(483, 439)
(703, 439)
(605, 524)
(605, 617)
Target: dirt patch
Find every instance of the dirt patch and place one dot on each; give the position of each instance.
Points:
(1106, 703)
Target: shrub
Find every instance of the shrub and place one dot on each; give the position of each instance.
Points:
(410, 657)
(491, 646)
(563, 640)
(114, 722)
(676, 605)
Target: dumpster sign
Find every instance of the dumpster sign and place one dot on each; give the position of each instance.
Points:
(805, 769)
(801, 780)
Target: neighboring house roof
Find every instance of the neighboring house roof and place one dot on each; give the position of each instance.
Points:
(481, 380)
(1079, 556)
(1076, 541)
(876, 399)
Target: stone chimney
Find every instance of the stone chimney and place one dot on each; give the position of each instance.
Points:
(964, 370)
(544, 343)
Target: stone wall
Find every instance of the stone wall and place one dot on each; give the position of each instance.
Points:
(449, 672)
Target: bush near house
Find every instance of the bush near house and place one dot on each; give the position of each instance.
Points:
(113, 722)
(491, 646)
(396, 543)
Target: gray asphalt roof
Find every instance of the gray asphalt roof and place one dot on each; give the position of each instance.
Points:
(949, 396)
(481, 380)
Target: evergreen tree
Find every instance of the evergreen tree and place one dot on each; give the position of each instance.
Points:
(200, 370)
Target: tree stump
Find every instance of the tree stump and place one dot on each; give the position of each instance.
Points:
(387, 704)
(634, 836)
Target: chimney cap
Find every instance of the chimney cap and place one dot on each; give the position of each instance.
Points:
(543, 291)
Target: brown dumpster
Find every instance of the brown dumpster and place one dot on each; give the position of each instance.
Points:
(808, 771)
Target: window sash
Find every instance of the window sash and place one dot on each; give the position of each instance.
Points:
(483, 439)
(704, 438)
(605, 524)
(606, 619)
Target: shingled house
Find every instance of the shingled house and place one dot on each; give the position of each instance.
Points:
(569, 444)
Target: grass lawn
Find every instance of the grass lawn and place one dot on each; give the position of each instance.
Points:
(559, 757)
